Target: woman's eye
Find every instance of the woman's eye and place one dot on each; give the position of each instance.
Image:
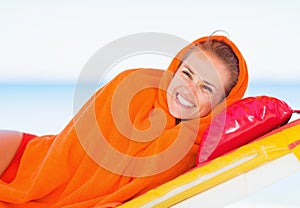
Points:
(187, 74)
(207, 88)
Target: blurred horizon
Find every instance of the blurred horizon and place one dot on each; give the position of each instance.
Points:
(252, 82)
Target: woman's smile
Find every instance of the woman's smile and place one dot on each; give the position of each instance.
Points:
(184, 102)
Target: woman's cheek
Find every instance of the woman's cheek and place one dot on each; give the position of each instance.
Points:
(205, 105)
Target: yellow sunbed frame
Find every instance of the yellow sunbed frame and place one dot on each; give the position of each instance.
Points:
(233, 176)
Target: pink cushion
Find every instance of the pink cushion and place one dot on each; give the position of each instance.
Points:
(240, 123)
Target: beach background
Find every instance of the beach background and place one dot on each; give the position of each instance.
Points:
(45, 45)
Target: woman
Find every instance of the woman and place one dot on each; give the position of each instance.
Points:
(140, 130)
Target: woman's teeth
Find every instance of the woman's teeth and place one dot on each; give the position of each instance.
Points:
(183, 101)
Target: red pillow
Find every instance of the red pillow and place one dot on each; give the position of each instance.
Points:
(240, 123)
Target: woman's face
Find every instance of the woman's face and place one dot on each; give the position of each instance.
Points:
(197, 86)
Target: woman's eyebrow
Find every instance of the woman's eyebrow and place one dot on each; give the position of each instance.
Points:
(210, 84)
(189, 69)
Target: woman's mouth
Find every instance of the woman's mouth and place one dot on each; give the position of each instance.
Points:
(183, 101)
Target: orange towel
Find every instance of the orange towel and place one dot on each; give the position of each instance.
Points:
(121, 143)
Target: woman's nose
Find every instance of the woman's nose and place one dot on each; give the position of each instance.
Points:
(193, 87)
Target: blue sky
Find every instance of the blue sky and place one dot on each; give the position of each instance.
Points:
(52, 41)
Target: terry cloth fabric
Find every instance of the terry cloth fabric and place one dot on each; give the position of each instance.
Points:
(121, 143)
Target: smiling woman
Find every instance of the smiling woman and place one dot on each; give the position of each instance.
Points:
(204, 78)
(138, 131)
